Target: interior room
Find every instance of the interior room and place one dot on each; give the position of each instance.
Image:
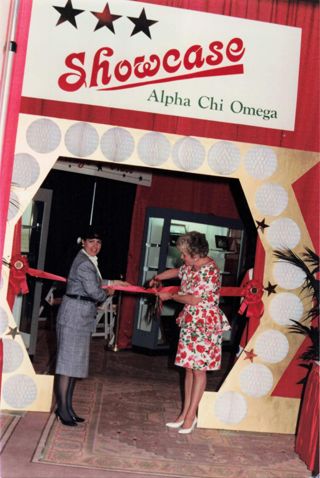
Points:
(77, 199)
(159, 236)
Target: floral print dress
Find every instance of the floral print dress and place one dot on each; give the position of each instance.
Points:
(199, 346)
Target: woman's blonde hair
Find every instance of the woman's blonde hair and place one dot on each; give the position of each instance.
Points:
(194, 243)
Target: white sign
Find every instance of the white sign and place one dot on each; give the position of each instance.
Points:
(145, 57)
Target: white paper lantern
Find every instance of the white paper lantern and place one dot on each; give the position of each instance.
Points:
(81, 139)
(154, 149)
(43, 135)
(3, 321)
(256, 380)
(188, 154)
(224, 157)
(19, 391)
(230, 407)
(288, 276)
(117, 144)
(285, 307)
(12, 355)
(26, 170)
(260, 162)
(283, 233)
(271, 199)
(271, 346)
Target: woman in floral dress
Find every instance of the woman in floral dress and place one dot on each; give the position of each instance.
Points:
(201, 321)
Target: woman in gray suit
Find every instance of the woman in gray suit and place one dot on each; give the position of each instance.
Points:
(75, 324)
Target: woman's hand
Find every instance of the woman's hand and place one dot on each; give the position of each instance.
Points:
(123, 283)
(156, 283)
(164, 296)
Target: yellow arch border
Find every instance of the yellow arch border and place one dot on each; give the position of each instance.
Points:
(244, 401)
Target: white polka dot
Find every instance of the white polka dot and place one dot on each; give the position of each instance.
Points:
(260, 162)
(230, 407)
(285, 307)
(288, 276)
(154, 149)
(271, 199)
(224, 157)
(12, 355)
(26, 170)
(188, 154)
(43, 135)
(283, 233)
(256, 380)
(19, 391)
(81, 139)
(117, 144)
(272, 346)
(3, 320)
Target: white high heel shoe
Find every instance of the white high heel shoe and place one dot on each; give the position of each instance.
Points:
(188, 430)
(174, 424)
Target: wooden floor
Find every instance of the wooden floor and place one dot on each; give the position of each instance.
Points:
(240, 455)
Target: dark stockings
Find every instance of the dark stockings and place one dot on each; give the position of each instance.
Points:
(70, 390)
(64, 396)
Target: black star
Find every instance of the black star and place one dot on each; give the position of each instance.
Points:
(142, 24)
(271, 289)
(262, 225)
(68, 13)
(13, 332)
(99, 167)
(105, 18)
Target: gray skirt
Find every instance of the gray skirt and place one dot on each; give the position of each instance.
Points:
(73, 351)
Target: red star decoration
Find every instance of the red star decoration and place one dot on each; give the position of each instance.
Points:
(105, 18)
(250, 355)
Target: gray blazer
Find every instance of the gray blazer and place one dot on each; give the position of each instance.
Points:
(83, 280)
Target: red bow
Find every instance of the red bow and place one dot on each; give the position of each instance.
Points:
(18, 275)
(253, 292)
(19, 268)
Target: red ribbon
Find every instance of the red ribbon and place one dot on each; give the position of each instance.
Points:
(252, 290)
(141, 290)
(252, 302)
(19, 268)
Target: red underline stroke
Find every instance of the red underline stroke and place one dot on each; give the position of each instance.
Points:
(225, 70)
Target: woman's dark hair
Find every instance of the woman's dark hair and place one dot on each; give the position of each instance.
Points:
(195, 243)
(91, 233)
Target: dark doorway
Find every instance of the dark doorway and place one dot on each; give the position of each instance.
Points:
(72, 199)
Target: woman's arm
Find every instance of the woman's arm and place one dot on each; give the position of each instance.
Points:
(165, 275)
(186, 299)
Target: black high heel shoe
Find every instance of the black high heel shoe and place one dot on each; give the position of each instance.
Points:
(75, 418)
(68, 423)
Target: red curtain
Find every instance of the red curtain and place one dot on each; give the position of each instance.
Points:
(184, 193)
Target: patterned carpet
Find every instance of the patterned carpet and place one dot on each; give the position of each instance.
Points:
(8, 423)
(126, 403)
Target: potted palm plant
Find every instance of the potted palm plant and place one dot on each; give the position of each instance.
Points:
(307, 436)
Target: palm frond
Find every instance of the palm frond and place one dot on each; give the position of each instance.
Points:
(311, 283)
(313, 259)
(312, 353)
